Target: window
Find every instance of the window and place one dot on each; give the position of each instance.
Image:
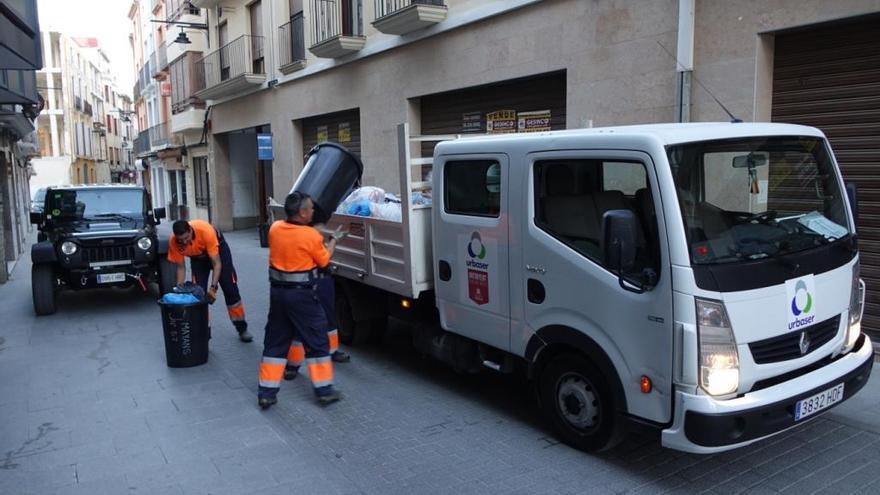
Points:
(256, 14)
(572, 196)
(472, 187)
(200, 177)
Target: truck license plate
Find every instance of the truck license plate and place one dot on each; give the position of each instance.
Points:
(108, 278)
(822, 400)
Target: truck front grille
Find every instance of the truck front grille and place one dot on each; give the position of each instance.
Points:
(98, 254)
(787, 346)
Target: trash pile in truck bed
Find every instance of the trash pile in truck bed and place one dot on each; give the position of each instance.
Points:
(370, 201)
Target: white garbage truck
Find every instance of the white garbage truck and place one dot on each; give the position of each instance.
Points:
(701, 279)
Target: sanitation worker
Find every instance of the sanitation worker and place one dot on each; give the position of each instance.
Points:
(327, 296)
(296, 252)
(208, 254)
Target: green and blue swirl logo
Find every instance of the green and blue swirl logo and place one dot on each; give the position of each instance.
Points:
(475, 248)
(796, 308)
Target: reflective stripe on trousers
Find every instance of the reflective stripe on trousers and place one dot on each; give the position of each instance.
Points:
(296, 355)
(320, 371)
(271, 371)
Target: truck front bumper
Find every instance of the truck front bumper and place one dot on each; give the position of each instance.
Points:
(705, 425)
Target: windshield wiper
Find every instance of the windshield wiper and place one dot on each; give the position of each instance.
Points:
(113, 215)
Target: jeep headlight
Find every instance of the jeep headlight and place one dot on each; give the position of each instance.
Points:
(856, 306)
(719, 361)
(68, 248)
(144, 243)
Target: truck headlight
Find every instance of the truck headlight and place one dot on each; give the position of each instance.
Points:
(719, 361)
(856, 306)
(68, 248)
(145, 243)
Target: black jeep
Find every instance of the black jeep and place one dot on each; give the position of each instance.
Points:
(97, 236)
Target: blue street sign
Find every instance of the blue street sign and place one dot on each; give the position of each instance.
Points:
(264, 147)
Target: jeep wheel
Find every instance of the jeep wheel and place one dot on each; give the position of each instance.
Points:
(43, 288)
(167, 276)
(577, 401)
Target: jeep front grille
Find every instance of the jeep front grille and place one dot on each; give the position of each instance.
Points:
(787, 346)
(98, 254)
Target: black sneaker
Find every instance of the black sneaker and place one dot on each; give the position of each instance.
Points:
(266, 402)
(245, 336)
(290, 373)
(330, 398)
(340, 357)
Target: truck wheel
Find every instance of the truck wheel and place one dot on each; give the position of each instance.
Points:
(351, 332)
(378, 329)
(167, 276)
(43, 289)
(577, 401)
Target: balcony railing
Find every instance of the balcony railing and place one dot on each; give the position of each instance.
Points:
(160, 135)
(151, 65)
(136, 91)
(184, 83)
(177, 8)
(87, 108)
(292, 41)
(142, 143)
(332, 18)
(77, 103)
(387, 7)
(161, 59)
(240, 57)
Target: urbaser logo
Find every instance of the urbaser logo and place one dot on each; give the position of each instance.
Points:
(802, 311)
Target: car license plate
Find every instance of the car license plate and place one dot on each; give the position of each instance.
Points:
(108, 278)
(822, 400)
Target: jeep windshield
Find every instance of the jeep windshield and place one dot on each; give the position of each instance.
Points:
(759, 197)
(96, 204)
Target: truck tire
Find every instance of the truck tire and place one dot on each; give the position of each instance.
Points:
(43, 289)
(351, 332)
(578, 402)
(167, 276)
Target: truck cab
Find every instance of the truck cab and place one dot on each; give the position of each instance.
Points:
(702, 279)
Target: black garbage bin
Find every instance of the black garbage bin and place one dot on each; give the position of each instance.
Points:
(330, 174)
(186, 334)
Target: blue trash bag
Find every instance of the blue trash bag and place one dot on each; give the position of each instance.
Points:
(174, 298)
(360, 208)
(190, 288)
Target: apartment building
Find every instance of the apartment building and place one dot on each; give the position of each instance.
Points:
(81, 129)
(299, 72)
(20, 58)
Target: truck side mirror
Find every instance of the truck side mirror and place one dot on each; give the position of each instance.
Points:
(159, 213)
(853, 194)
(620, 234)
(36, 217)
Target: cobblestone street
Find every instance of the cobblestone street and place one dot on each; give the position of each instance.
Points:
(87, 405)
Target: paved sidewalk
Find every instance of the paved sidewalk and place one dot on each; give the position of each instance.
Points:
(87, 406)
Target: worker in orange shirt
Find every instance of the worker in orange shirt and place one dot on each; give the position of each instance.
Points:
(208, 253)
(296, 252)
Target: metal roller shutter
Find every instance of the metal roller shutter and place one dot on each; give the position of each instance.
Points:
(333, 123)
(444, 113)
(829, 77)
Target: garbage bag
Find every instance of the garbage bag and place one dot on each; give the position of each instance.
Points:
(175, 298)
(360, 208)
(190, 288)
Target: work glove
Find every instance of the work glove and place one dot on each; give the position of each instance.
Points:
(339, 234)
(211, 296)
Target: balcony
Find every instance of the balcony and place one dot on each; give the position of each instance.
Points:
(176, 9)
(335, 32)
(187, 111)
(292, 45)
(405, 16)
(142, 143)
(161, 136)
(87, 108)
(161, 60)
(234, 68)
(136, 91)
(205, 4)
(156, 4)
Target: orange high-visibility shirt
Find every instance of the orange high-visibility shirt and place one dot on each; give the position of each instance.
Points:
(296, 248)
(204, 242)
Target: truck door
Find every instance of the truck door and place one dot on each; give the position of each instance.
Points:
(471, 246)
(564, 281)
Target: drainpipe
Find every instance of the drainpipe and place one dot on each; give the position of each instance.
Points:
(685, 56)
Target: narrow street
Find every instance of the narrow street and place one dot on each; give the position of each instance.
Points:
(87, 405)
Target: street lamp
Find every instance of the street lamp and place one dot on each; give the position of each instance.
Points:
(182, 37)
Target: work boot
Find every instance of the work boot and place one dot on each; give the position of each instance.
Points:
(290, 372)
(266, 402)
(340, 357)
(245, 336)
(329, 398)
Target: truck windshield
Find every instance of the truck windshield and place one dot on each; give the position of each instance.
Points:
(95, 204)
(747, 199)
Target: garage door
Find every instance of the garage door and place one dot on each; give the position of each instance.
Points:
(341, 127)
(540, 99)
(829, 77)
